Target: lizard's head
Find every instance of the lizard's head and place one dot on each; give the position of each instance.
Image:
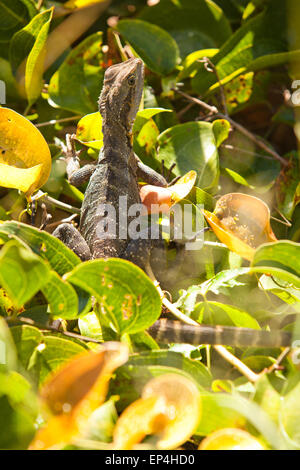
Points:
(122, 92)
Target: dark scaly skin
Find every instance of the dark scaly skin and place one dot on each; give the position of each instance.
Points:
(116, 175)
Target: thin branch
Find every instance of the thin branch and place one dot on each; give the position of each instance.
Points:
(216, 114)
(55, 202)
(286, 221)
(276, 364)
(67, 220)
(235, 362)
(45, 217)
(208, 63)
(248, 152)
(57, 121)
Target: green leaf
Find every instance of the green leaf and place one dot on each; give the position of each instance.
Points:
(237, 178)
(52, 353)
(102, 422)
(127, 296)
(144, 366)
(221, 129)
(198, 196)
(61, 297)
(24, 40)
(192, 146)
(153, 44)
(14, 15)
(18, 410)
(282, 290)
(193, 25)
(283, 255)
(244, 162)
(288, 194)
(216, 313)
(222, 410)
(8, 348)
(289, 416)
(261, 42)
(22, 273)
(30, 44)
(215, 416)
(77, 83)
(26, 338)
(89, 326)
(61, 258)
(174, 359)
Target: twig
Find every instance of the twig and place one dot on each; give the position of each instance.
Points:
(184, 110)
(29, 321)
(55, 202)
(251, 376)
(248, 152)
(285, 221)
(57, 121)
(208, 63)
(216, 114)
(275, 366)
(45, 217)
(62, 221)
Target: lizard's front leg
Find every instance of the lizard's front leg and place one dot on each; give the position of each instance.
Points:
(71, 237)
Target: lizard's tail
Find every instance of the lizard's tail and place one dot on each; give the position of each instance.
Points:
(168, 331)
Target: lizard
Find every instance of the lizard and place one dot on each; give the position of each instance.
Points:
(116, 174)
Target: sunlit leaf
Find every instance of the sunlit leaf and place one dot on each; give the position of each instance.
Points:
(89, 131)
(170, 408)
(75, 4)
(75, 391)
(60, 258)
(22, 273)
(252, 47)
(82, 68)
(230, 439)
(192, 146)
(129, 300)
(25, 159)
(28, 52)
(242, 222)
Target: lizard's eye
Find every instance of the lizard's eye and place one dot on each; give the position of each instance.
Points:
(131, 80)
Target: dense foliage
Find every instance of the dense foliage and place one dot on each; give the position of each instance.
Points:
(220, 98)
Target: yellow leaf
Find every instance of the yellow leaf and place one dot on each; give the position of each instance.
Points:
(75, 391)
(228, 238)
(89, 130)
(241, 222)
(73, 4)
(137, 421)
(158, 199)
(230, 439)
(170, 409)
(25, 159)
